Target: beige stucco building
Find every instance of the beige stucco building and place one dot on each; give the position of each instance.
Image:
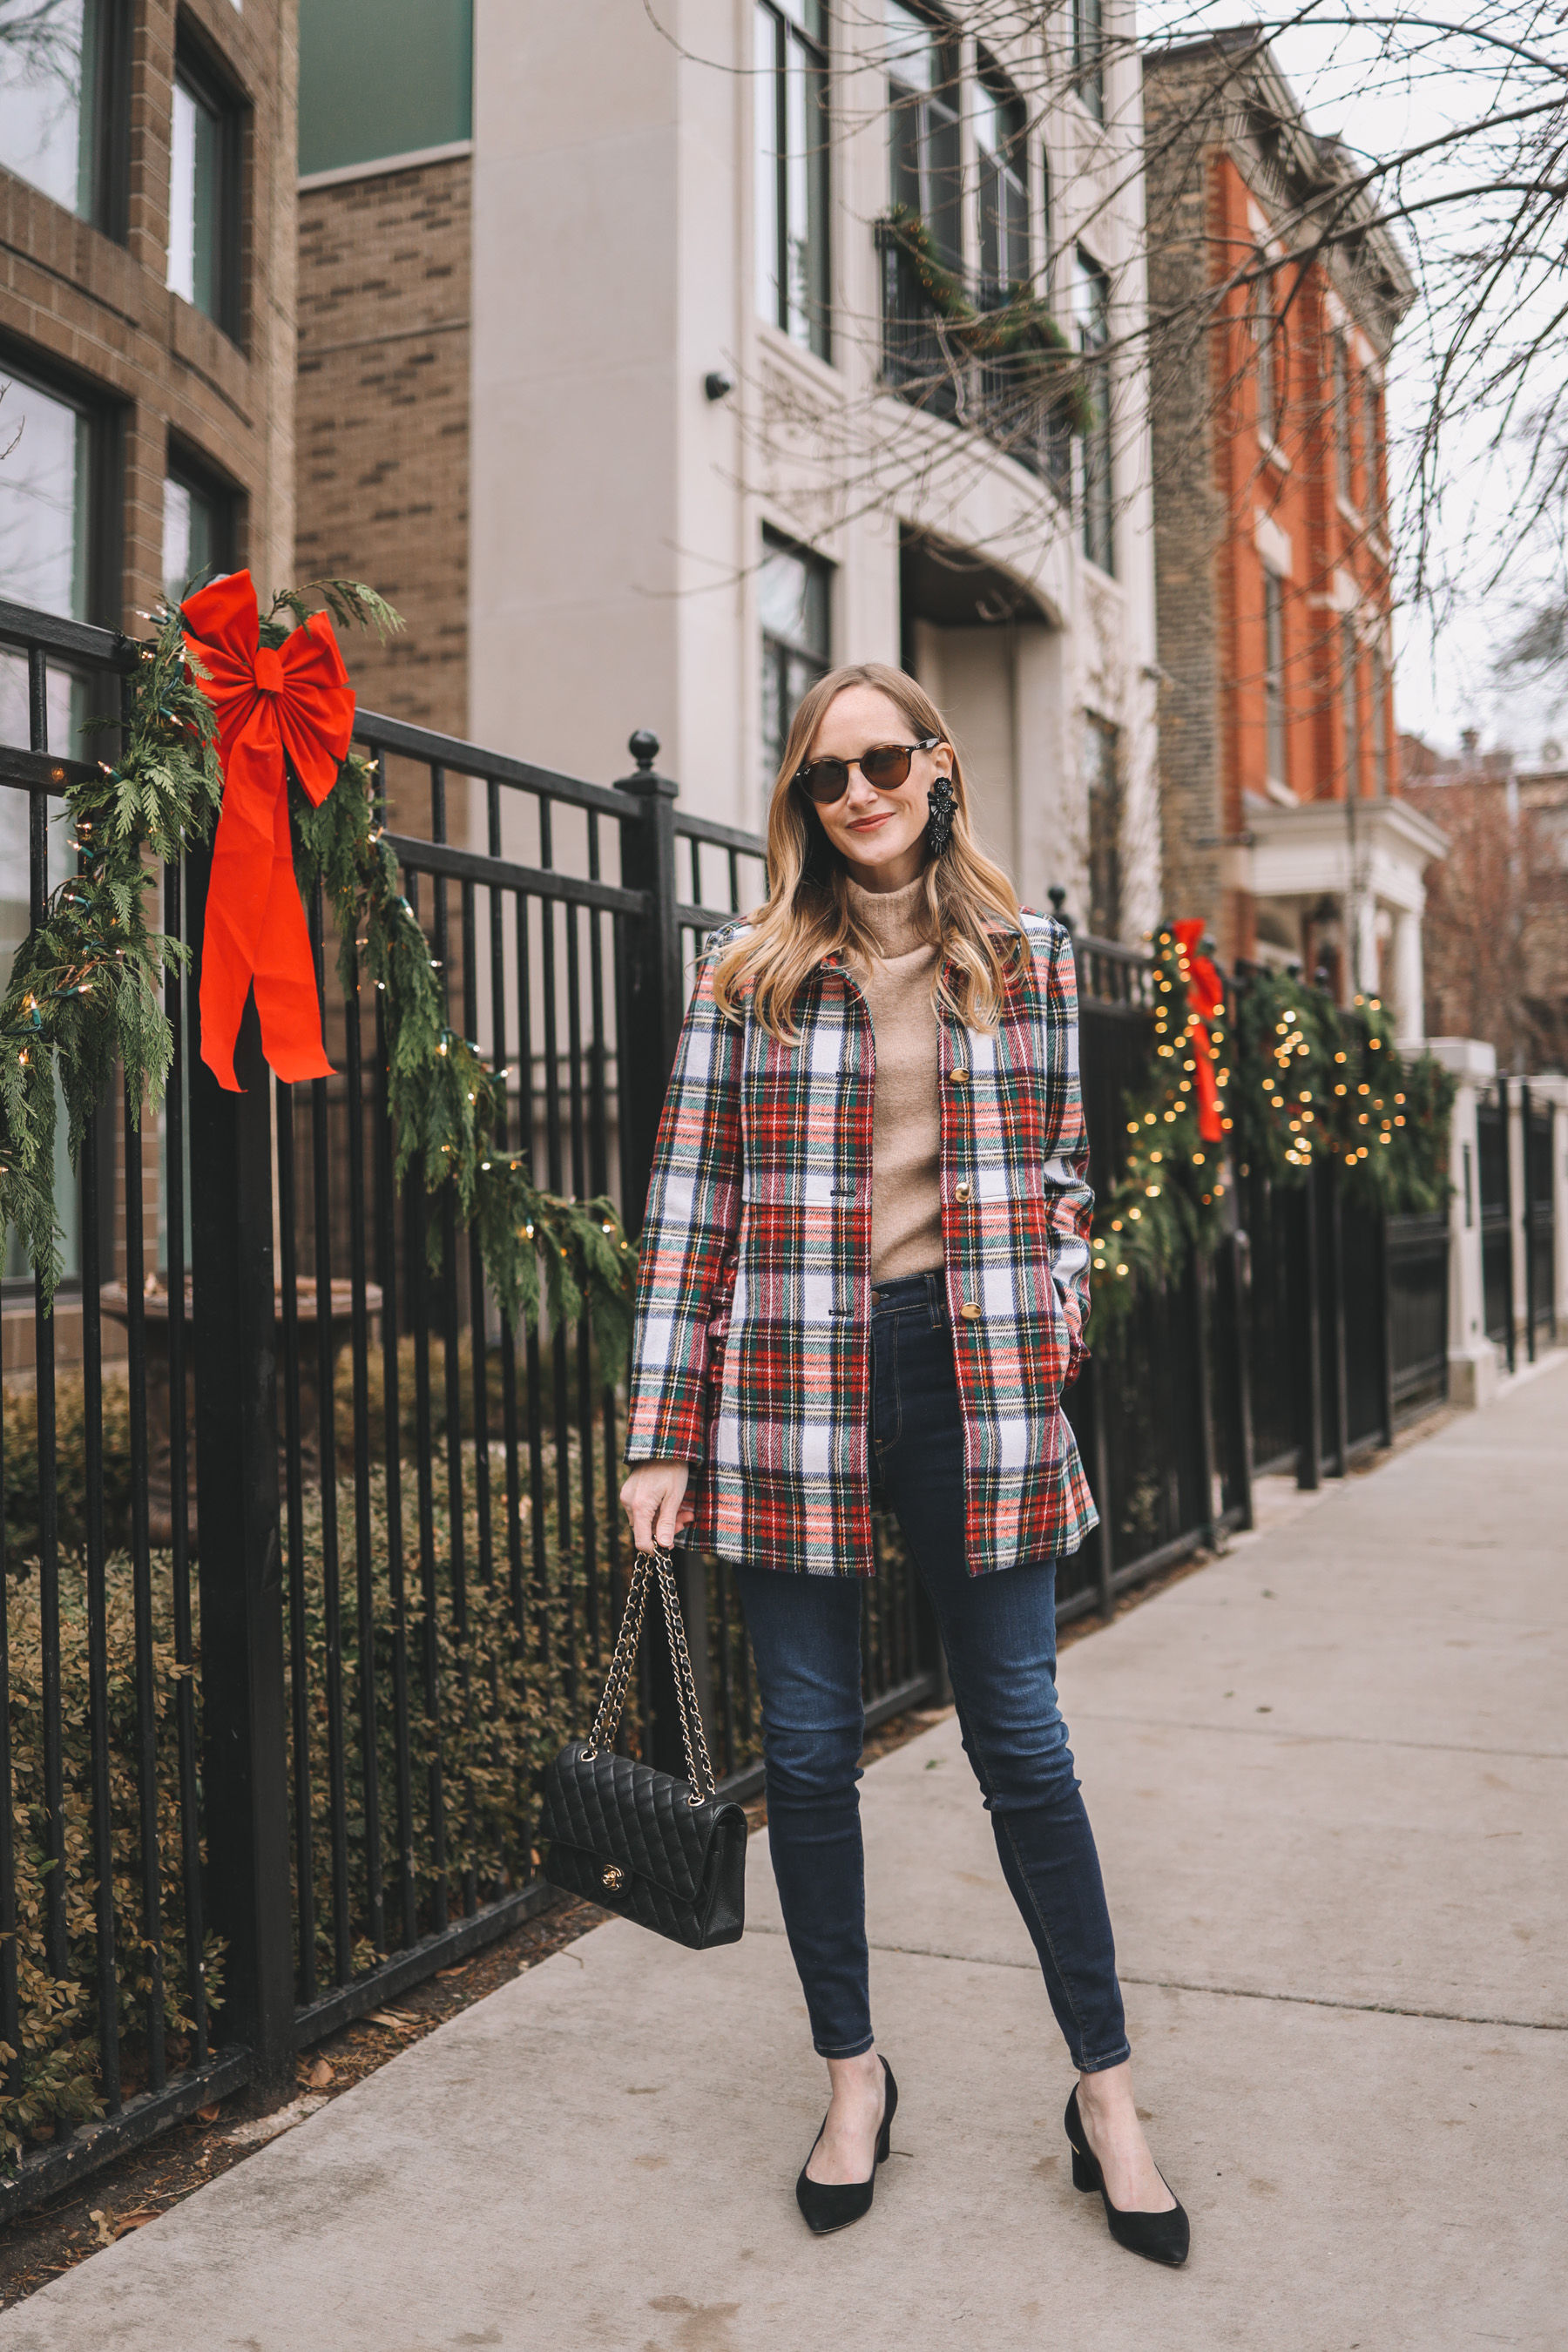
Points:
(713, 437)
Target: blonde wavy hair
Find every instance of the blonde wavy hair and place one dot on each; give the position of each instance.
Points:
(971, 908)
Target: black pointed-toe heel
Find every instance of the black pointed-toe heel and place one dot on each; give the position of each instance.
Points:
(1158, 2237)
(833, 2204)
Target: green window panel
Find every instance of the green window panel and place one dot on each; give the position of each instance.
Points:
(383, 78)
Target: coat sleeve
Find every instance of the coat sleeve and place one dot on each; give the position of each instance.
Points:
(1070, 1202)
(690, 1226)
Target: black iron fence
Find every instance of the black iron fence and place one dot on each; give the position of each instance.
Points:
(928, 358)
(1538, 1158)
(311, 1560)
(1496, 1189)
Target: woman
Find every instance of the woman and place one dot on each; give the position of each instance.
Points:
(865, 1264)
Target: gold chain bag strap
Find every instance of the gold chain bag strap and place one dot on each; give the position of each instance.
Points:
(670, 1853)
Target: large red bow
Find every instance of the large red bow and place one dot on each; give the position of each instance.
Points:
(278, 707)
(1206, 999)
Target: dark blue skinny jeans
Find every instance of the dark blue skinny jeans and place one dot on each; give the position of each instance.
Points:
(999, 1632)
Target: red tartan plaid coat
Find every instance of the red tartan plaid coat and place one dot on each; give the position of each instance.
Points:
(750, 1359)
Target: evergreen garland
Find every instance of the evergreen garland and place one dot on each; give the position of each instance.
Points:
(86, 984)
(1300, 1079)
(1323, 1081)
(86, 990)
(1169, 1198)
(1021, 330)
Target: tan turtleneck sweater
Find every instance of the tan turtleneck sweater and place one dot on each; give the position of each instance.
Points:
(906, 1131)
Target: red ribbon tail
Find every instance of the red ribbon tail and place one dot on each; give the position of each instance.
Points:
(1209, 1126)
(237, 899)
(286, 985)
(285, 972)
(255, 931)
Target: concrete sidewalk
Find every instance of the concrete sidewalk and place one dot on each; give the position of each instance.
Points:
(1328, 1777)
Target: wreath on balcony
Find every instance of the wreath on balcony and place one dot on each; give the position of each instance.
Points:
(1019, 335)
(86, 984)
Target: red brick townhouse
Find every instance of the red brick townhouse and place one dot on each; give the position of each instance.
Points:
(147, 348)
(1275, 294)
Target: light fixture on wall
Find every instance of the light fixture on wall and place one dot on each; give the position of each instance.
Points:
(717, 384)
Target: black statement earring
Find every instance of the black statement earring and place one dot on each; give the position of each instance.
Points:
(942, 802)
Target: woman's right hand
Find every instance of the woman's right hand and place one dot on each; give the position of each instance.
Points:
(656, 1501)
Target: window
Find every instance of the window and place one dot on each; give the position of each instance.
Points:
(1088, 54)
(1379, 725)
(1091, 314)
(1265, 328)
(1341, 416)
(1374, 456)
(1102, 792)
(198, 533)
(923, 96)
(51, 555)
(204, 199)
(46, 518)
(381, 78)
(64, 103)
(1275, 753)
(792, 170)
(793, 604)
(1001, 156)
(1350, 684)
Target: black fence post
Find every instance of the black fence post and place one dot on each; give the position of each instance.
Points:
(1506, 1142)
(1233, 1287)
(1200, 1324)
(245, 1766)
(1385, 1326)
(1310, 1352)
(1527, 1170)
(1093, 1377)
(1331, 1244)
(648, 957)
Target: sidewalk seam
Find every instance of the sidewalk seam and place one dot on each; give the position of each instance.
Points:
(1281, 1732)
(1219, 1993)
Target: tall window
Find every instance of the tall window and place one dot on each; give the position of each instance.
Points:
(792, 169)
(922, 94)
(793, 604)
(1342, 361)
(383, 78)
(198, 533)
(1374, 456)
(1276, 751)
(1088, 54)
(1091, 315)
(52, 555)
(1379, 725)
(64, 103)
(1002, 166)
(204, 198)
(1103, 794)
(1265, 329)
(1349, 686)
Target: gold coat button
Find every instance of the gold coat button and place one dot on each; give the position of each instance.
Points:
(960, 1192)
(970, 1311)
(959, 1076)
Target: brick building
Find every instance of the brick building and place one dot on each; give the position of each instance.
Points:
(385, 357)
(147, 222)
(1496, 917)
(1280, 816)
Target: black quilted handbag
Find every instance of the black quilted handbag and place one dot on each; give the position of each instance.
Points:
(669, 1854)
